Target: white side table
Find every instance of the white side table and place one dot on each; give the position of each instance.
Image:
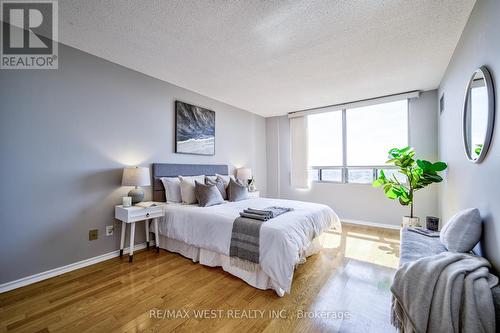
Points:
(133, 214)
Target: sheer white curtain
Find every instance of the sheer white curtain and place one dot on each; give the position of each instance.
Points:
(299, 154)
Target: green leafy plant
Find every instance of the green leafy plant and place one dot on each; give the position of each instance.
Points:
(419, 174)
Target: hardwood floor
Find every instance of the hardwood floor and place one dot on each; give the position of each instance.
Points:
(350, 278)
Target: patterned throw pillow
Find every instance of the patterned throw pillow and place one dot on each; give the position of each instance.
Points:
(225, 179)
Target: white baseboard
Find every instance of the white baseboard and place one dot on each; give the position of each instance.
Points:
(372, 224)
(64, 269)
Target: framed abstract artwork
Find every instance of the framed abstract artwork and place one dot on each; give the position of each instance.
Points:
(194, 129)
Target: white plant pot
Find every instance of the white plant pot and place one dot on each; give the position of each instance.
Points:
(410, 221)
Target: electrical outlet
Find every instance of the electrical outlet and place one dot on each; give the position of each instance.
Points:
(92, 234)
(109, 230)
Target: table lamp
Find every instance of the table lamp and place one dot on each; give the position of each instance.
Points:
(244, 174)
(136, 176)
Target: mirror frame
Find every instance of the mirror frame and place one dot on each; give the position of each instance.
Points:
(491, 115)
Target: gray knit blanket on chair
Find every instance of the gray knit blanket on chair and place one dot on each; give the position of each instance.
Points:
(446, 292)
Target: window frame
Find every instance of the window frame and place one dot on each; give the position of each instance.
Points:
(344, 167)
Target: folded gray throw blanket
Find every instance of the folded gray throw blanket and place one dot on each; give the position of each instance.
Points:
(447, 292)
(255, 216)
(264, 214)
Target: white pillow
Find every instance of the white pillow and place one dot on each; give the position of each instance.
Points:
(172, 187)
(225, 179)
(187, 188)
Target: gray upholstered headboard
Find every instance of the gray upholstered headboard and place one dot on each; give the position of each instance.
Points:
(174, 170)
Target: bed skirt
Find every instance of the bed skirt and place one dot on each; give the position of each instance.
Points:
(257, 278)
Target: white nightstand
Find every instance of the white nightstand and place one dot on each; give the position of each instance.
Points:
(253, 194)
(133, 214)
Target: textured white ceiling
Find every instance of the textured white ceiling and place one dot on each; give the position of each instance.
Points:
(273, 57)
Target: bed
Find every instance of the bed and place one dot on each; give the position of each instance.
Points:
(203, 234)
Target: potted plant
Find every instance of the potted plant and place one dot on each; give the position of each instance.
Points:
(418, 174)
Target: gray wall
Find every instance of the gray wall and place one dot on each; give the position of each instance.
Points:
(65, 136)
(468, 184)
(359, 202)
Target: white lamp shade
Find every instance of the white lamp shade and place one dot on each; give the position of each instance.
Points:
(136, 176)
(244, 173)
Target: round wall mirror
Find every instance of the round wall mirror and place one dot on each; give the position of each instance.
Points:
(479, 115)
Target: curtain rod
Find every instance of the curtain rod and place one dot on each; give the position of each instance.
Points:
(355, 104)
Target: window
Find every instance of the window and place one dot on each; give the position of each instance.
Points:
(351, 145)
(373, 130)
(331, 175)
(314, 175)
(325, 139)
(359, 176)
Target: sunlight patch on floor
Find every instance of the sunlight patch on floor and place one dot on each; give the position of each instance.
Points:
(363, 244)
(372, 249)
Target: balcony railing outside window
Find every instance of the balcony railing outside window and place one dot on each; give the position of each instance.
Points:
(352, 175)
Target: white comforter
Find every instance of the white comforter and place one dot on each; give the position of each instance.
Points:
(282, 239)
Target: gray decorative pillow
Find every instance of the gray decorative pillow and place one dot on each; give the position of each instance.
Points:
(236, 191)
(220, 186)
(207, 195)
(463, 231)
